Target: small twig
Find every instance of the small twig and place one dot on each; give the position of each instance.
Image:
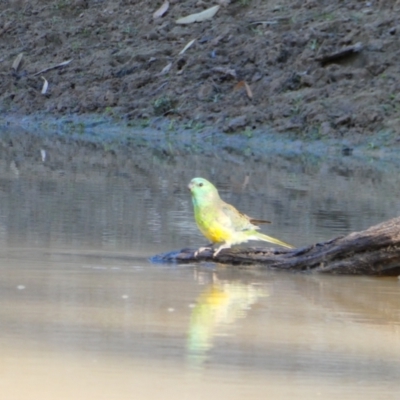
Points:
(225, 71)
(342, 53)
(53, 67)
(274, 21)
(160, 87)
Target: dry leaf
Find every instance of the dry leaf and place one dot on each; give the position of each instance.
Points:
(166, 69)
(43, 155)
(246, 182)
(187, 46)
(246, 86)
(17, 62)
(45, 85)
(238, 85)
(162, 10)
(198, 17)
(14, 168)
(248, 90)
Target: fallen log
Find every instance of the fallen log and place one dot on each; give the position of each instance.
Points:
(375, 251)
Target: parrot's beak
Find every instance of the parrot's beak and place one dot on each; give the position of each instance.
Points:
(190, 186)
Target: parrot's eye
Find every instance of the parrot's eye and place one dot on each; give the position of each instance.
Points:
(200, 184)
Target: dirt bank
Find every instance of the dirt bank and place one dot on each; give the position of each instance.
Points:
(319, 68)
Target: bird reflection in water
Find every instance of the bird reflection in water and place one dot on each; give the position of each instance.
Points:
(218, 310)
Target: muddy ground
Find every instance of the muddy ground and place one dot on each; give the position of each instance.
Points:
(314, 67)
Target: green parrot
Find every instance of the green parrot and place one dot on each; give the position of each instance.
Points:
(220, 222)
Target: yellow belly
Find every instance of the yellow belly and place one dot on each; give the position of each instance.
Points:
(214, 232)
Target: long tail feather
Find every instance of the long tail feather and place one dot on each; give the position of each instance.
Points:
(270, 239)
(259, 221)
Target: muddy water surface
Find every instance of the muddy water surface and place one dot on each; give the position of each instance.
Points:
(84, 314)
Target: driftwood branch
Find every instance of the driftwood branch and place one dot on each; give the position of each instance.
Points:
(375, 251)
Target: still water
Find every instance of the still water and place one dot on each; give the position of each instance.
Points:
(84, 314)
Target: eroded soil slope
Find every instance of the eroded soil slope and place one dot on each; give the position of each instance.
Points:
(317, 67)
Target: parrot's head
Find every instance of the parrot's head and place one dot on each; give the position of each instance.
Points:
(202, 190)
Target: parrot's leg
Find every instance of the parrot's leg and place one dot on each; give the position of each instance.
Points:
(201, 249)
(226, 245)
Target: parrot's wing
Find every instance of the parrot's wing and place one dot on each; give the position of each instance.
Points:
(234, 219)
